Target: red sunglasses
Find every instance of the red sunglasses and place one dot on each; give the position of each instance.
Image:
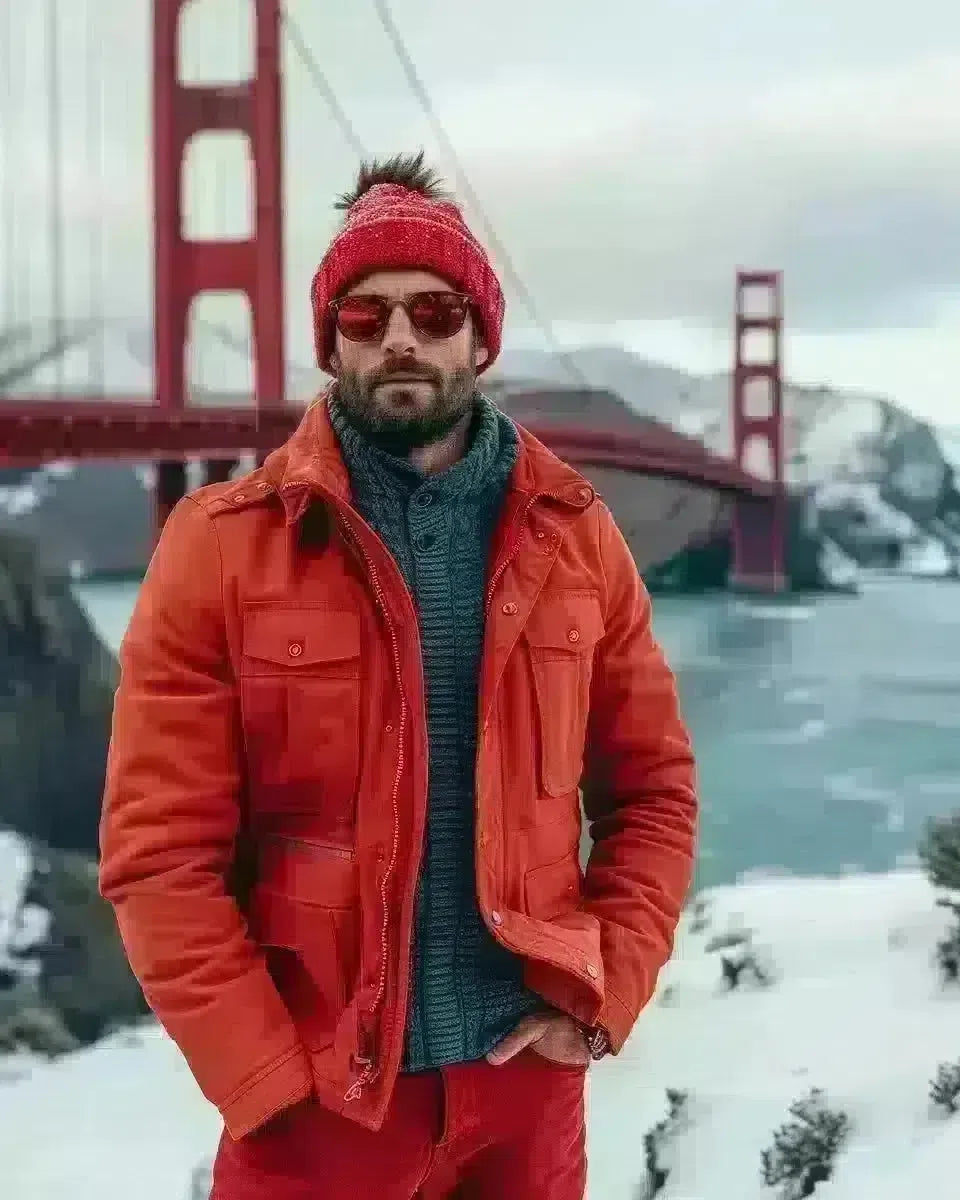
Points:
(433, 314)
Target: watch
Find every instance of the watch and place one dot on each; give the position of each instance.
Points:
(597, 1039)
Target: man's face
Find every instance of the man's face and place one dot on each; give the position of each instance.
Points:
(405, 389)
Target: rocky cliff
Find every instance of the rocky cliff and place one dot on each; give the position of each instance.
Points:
(56, 693)
(64, 980)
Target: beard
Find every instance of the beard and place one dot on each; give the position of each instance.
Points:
(406, 424)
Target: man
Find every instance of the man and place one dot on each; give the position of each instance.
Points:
(360, 691)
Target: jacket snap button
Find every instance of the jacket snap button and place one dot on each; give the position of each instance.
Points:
(592, 971)
(573, 635)
(239, 498)
(496, 918)
(509, 608)
(295, 649)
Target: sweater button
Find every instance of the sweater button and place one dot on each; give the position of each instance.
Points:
(496, 918)
(573, 635)
(509, 608)
(592, 971)
(295, 649)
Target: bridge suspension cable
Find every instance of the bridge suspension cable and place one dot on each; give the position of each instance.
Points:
(422, 95)
(96, 168)
(55, 148)
(321, 82)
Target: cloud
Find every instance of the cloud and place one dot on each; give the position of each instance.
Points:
(629, 157)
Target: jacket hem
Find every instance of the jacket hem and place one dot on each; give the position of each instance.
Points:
(283, 1084)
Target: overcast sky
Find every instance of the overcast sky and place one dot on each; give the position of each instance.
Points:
(630, 156)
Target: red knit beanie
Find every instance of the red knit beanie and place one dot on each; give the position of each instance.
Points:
(391, 227)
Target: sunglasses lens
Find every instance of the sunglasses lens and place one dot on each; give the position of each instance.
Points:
(438, 314)
(361, 318)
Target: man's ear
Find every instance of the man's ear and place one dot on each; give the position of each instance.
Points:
(335, 363)
(480, 354)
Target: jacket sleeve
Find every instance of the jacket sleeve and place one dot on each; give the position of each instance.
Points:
(168, 834)
(639, 794)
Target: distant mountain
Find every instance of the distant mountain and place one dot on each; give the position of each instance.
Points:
(97, 517)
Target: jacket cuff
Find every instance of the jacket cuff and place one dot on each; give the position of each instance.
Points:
(284, 1084)
(616, 1020)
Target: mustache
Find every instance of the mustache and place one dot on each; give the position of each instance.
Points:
(404, 370)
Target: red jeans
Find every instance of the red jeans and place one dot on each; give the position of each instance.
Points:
(468, 1132)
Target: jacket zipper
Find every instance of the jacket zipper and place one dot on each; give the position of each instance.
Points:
(514, 547)
(368, 1063)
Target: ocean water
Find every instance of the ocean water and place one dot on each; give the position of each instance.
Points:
(827, 729)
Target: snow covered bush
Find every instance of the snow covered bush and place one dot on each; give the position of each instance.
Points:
(804, 1150)
(201, 1182)
(948, 956)
(945, 1087)
(700, 915)
(740, 959)
(939, 852)
(655, 1141)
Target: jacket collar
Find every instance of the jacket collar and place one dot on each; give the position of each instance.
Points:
(310, 465)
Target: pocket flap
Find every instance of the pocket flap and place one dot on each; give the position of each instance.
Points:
(296, 638)
(308, 873)
(553, 889)
(569, 621)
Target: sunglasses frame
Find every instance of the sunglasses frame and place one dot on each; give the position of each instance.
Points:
(405, 303)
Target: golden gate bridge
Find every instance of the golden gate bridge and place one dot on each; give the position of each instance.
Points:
(168, 430)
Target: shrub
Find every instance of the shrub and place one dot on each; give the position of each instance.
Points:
(742, 959)
(939, 852)
(804, 1150)
(945, 1087)
(655, 1141)
(948, 956)
(700, 915)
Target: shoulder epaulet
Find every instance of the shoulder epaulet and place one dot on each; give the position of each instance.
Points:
(251, 489)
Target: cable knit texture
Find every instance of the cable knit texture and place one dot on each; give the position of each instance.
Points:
(391, 228)
(467, 991)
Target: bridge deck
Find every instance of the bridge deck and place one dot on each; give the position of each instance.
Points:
(36, 429)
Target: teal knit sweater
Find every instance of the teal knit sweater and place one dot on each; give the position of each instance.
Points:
(467, 991)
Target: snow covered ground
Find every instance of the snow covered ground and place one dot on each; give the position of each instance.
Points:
(855, 1009)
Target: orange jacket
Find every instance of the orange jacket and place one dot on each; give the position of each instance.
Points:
(266, 786)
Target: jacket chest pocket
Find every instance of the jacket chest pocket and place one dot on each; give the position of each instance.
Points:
(300, 697)
(561, 634)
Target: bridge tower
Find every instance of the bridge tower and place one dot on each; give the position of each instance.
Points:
(185, 268)
(759, 525)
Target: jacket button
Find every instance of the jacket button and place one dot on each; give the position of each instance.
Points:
(584, 495)
(573, 635)
(509, 608)
(592, 971)
(295, 649)
(496, 918)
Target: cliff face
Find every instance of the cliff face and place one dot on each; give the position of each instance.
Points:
(67, 982)
(56, 694)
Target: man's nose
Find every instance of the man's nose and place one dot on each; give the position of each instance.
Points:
(399, 337)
